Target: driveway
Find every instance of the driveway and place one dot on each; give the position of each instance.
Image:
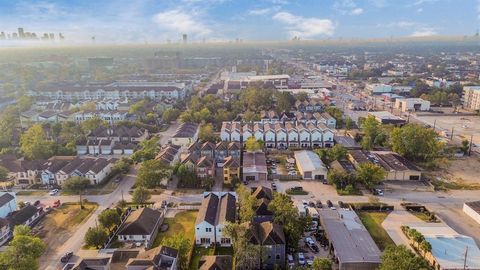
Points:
(393, 223)
(166, 135)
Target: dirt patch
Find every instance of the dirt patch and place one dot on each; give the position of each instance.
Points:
(59, 225)
(464, 171)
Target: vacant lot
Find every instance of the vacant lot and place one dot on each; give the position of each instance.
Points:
(373, 222)
(462, 171)
(59, 225)
(463, 126)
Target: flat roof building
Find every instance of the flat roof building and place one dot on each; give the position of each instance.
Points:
(254, 166)
(384, 117)
(472, 209)
(310, 165)
(396, 166)
(412, 104)
(471, 98)
(349, 240)
(449, 247)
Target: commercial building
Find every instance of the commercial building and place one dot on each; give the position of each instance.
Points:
(450, 250)
(384, 117)
(396, 166)
(412, 104)
(471, 98)
(378, 88)
(472, 209)
(254, 166)
(349, 240)
(310, 165)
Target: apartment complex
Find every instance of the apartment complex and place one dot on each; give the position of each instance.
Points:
(471, 98)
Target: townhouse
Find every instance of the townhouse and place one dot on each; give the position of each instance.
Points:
(231, 169)
(113, 90)
(203, 166)
(169, 154)
(119, 140)
(216, 210)
(57, 171)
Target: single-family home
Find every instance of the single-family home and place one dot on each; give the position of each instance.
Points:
(141, 226)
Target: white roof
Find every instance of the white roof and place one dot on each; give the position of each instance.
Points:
(309, 161)
(448, 246)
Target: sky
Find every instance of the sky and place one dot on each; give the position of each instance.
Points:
(156, 21)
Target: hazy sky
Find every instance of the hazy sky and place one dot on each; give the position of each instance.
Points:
(127, 21)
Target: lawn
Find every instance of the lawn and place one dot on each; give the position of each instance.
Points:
(373, 222)
(424, 216)
(68, 215)
(198, 252)
(183, 223)
(32, 192)
(353, 192)
(296, 192)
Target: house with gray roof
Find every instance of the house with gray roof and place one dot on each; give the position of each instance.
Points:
(216, 210)
(141, 226)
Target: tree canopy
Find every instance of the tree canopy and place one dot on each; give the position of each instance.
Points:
(96, 237)
(181, 243)
(109, 218)
(370, 174)
(23, 251)
(416, 142)
(35, 145)
(140, 195)
(77, 185)
(151, 173)
(253, 145)
(401, 258)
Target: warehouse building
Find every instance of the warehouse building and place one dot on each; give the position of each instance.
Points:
(254, 166)
(412, 104)
(349, 241)
(310, 165)
(396, 166)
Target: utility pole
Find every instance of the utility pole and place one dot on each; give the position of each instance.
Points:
(470, 148)
(451, 135)
(465, 259)
(434, 124)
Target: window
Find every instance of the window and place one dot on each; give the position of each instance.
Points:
(208, 229)
(225, 241)
(277, 257)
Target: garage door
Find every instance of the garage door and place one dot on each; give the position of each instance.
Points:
(250, 178)
(307, 175)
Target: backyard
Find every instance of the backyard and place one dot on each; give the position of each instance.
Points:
(183, 223)
(373, 222)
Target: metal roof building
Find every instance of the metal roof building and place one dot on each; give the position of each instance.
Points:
(310, 165)
(349, 240)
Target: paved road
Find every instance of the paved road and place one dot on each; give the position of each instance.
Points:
(168, 134)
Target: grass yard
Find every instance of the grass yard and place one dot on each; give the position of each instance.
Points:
(296, 192)
(32, 192)
(197, 254)
(424, 216)
(183, 223)
(373, 222)
(353, 192)
(68, 215)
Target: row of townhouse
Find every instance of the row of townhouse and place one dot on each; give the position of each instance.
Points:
(316, 118)
(56, 171)
(222, 154)
(34, 116)
(114, 90)
(280, 135)
(119, 140)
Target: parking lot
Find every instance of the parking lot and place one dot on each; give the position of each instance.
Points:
(463, 126)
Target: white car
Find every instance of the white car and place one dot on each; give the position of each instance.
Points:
(53, 192)
(290, 261)
(301, 258)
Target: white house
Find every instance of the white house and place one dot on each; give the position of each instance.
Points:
(281, 136)
(258, 132)
(269, 135)
(217, 208)
(225, 131)
(141, 226)
(315, 135)
(247, 131)
(8, 203)
(235, 132)
(304, 136)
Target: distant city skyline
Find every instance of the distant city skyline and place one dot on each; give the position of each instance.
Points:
(151, 21)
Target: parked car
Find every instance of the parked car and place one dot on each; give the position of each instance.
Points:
(311, 204)
(297, 188)
(309, 260)
(36, 203)
(305, 203)
(329, 204)
(290, 261)
(379, 192)
(56, 203)
(301, 258)
(53, 192)
(164, 204)
(274, 187)
(66, 257)
(319, 204)
(309, 240)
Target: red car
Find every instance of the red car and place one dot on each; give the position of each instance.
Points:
(56, 203)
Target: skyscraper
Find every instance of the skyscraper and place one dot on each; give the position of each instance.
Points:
(184, 38)
(21, 33)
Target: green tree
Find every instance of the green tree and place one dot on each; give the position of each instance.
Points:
(77, 185)
(9, 119)
(286, 214)
(170, 115)
(96, 237)
(370, 174)
(349, 123)
(285, 101)
(301, 96)
(335, 113)
(206, 133)
(140, 195)
(109, 218)
(3, 173)
(181, 243)
(340, 179)
(257, 99)
(465, 147)
(151, 173)
(24, 103)
(23, 251)
(371, 128)
(246, 254)
(401, 258)
(250, 116)
(253, 145)
(123, 165)
(34, 143)
(416, 142)
(322, 264)
(246, 202)
(148, 151)
(93, 123)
